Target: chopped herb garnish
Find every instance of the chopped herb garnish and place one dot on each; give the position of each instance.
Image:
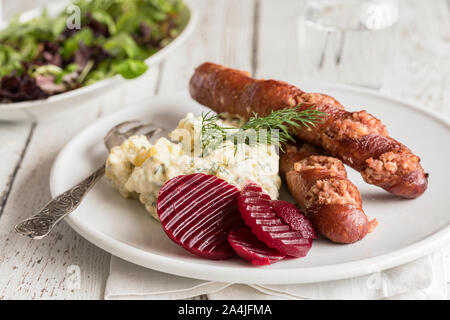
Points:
(213, 134)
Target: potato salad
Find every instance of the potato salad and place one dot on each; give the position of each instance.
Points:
(138, 168)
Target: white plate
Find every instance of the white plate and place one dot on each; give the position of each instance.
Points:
(407, 229)
(38, 109)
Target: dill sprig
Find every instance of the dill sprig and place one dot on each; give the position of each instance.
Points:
(213, 135)
(283, 120)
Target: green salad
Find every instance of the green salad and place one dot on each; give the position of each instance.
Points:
(90, 41)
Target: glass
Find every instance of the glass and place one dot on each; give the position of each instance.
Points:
(350, 41)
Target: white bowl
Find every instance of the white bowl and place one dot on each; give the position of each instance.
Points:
(39, 109)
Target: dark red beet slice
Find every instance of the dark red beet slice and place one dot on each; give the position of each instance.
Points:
(250, 248)
(289, 213)
(258, 214)
(197, 211)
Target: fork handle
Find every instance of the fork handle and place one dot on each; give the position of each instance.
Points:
(40, 225)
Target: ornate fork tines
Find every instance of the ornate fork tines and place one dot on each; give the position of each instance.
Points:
(115, 136)
(40, 225)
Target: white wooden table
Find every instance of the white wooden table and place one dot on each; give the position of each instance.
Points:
(256, 35)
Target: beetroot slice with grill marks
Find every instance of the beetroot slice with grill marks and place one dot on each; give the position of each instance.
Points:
(257, 212)
(197, 211)
(250, 248)
(289, 213)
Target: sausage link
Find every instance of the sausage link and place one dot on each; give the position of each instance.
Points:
(357, 138)
(320, 186)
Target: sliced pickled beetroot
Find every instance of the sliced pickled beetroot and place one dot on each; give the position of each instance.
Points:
(197, 211)
(289, 213)
(257, 212)
(250, 248)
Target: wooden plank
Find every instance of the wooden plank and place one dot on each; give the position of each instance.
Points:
(276, 47)
(13, 146)
(421, 70)
(37, 269)
(31, 269)
(13, 136)
(224, 35)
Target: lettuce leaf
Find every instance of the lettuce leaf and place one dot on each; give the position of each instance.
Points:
(130, 68)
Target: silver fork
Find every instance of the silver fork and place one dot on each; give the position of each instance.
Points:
(40, 225)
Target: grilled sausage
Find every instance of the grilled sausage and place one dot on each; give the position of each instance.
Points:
(357, 138)
(320, 186)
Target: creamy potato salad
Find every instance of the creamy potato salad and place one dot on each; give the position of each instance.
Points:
(139, 169)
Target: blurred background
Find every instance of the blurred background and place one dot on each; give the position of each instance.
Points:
(390, 45)
(349, 41)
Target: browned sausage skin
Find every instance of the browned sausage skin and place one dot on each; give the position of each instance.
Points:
(320, 186)
(357, 138)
